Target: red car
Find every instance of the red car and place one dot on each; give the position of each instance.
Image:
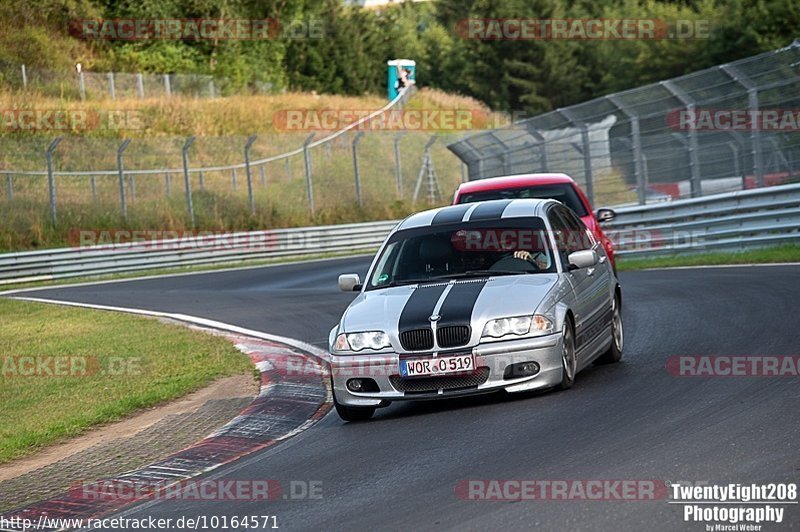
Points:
(559, 187)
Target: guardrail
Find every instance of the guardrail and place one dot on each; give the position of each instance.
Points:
(731, 221)
(722, 222)
(225, 248)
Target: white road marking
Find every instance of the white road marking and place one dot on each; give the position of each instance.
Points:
(196, 320)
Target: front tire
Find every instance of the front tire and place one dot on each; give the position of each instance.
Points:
(614, 353)
(569, 360)
(353, 413)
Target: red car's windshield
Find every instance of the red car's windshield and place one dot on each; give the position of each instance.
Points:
(563, 192)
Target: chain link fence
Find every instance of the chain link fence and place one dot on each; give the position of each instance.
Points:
(120, 85)
(275, 179)
(725, 128)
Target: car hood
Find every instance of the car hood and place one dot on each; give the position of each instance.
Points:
(471, 302)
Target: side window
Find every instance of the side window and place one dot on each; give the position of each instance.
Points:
(381, 277)
(577, 237)
(560, 230)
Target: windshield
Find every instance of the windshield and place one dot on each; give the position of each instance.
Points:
(515, 247)
(563, 192)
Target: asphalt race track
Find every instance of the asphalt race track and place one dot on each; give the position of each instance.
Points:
(632, 420)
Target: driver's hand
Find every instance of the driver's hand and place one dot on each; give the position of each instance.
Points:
(539, 260)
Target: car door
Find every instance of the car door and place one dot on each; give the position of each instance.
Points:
(592, 286)
(579, 280)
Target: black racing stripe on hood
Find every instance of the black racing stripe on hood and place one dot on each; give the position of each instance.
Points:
(419, 307)
(451, 215)
(491, 210)
(459, 303)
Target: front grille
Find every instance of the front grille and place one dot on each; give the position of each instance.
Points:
(432, 384)
(453, 336)
(417, 339)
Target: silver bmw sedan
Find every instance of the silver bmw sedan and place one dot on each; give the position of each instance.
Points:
(511, 295)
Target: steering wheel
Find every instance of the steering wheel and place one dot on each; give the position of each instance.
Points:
(513, 264)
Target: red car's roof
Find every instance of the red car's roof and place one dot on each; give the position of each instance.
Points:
(513, 181)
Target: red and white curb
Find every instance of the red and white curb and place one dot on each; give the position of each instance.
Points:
(295, 393)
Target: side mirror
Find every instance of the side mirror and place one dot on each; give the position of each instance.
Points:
(582, 259)
(605, 215)
(349, 282)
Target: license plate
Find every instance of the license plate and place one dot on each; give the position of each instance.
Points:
(443, 365)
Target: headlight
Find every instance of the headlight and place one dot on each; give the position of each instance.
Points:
(517, 326)
(374, 340)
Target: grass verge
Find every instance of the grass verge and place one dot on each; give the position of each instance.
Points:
(64, 370)
(777, 254)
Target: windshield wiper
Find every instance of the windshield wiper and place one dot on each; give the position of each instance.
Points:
(477, 273)
(403, 282)
(460, 275)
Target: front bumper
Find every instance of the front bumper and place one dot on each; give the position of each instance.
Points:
(490, 358)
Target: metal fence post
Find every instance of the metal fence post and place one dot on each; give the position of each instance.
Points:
(753, 105)
(82, 85)
(111, 89)
(121, 172)
(636, 146)
(51, 180)
(167, 185)
(506, 162)
(10, 186)
(24, 77)
(587, 163)
(186, 181)
(93, 186)
(694, 148)
(356, 138)
(426, 172)
(398, 171)
(247, 147)
(637, 163)
(263, 171)
(140, 85)
(584, 149)
(167, 86)
(309, 185)
(755, 137)
(233, 179)
(736, 168)
(542, 147)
